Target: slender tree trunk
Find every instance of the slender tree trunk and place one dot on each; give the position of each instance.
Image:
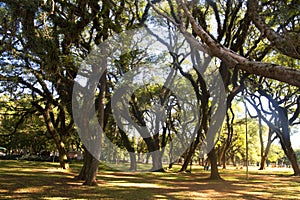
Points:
(224, 161)
(187, 159)
(133, 165)
(171, 161)
(190, 153)
(56, 137)
(262, 155)
(220, 155)
(130, 149)
(266, 152)
(229, 134)
(62, 156)
(147, 158)
(233, 160)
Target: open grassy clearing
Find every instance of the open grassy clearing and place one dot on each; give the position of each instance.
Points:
(38, 180)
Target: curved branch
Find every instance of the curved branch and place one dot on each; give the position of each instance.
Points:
(232, 59)
(285, 44)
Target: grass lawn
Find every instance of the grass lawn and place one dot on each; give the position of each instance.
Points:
(40, 180)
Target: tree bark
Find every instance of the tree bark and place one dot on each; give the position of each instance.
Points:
(157, 161)
(62, 156)
(263, 157)
(286, 43)
(133, 165)
(293, 159)
(214, 174)
(224, 161)
(130, 149)
(190, 154)
(263, 162)
(215, 49)
(89, 170)
(56, 137)
(266, 151)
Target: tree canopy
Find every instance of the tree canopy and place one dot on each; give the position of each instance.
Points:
(255, 45)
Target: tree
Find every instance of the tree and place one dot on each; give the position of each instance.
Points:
(34, 47)
(22, 130)
(46, 40)
(281, 112)
(264, 151)
(231, 51)
(42, 44)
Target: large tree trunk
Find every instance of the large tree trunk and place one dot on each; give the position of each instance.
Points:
(293, 159)
(263, 162)
(91, 176)
(89, 170)
(157, 161)
(285, 140)
(155, 152)
(289, 152)
(214, 173)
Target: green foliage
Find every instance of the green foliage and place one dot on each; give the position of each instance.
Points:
(275, 153)
(21, 128)
(43, 42)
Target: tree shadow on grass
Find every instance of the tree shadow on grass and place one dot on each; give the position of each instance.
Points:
(30, 180)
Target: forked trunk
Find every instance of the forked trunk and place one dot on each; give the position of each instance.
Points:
(89, 170)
